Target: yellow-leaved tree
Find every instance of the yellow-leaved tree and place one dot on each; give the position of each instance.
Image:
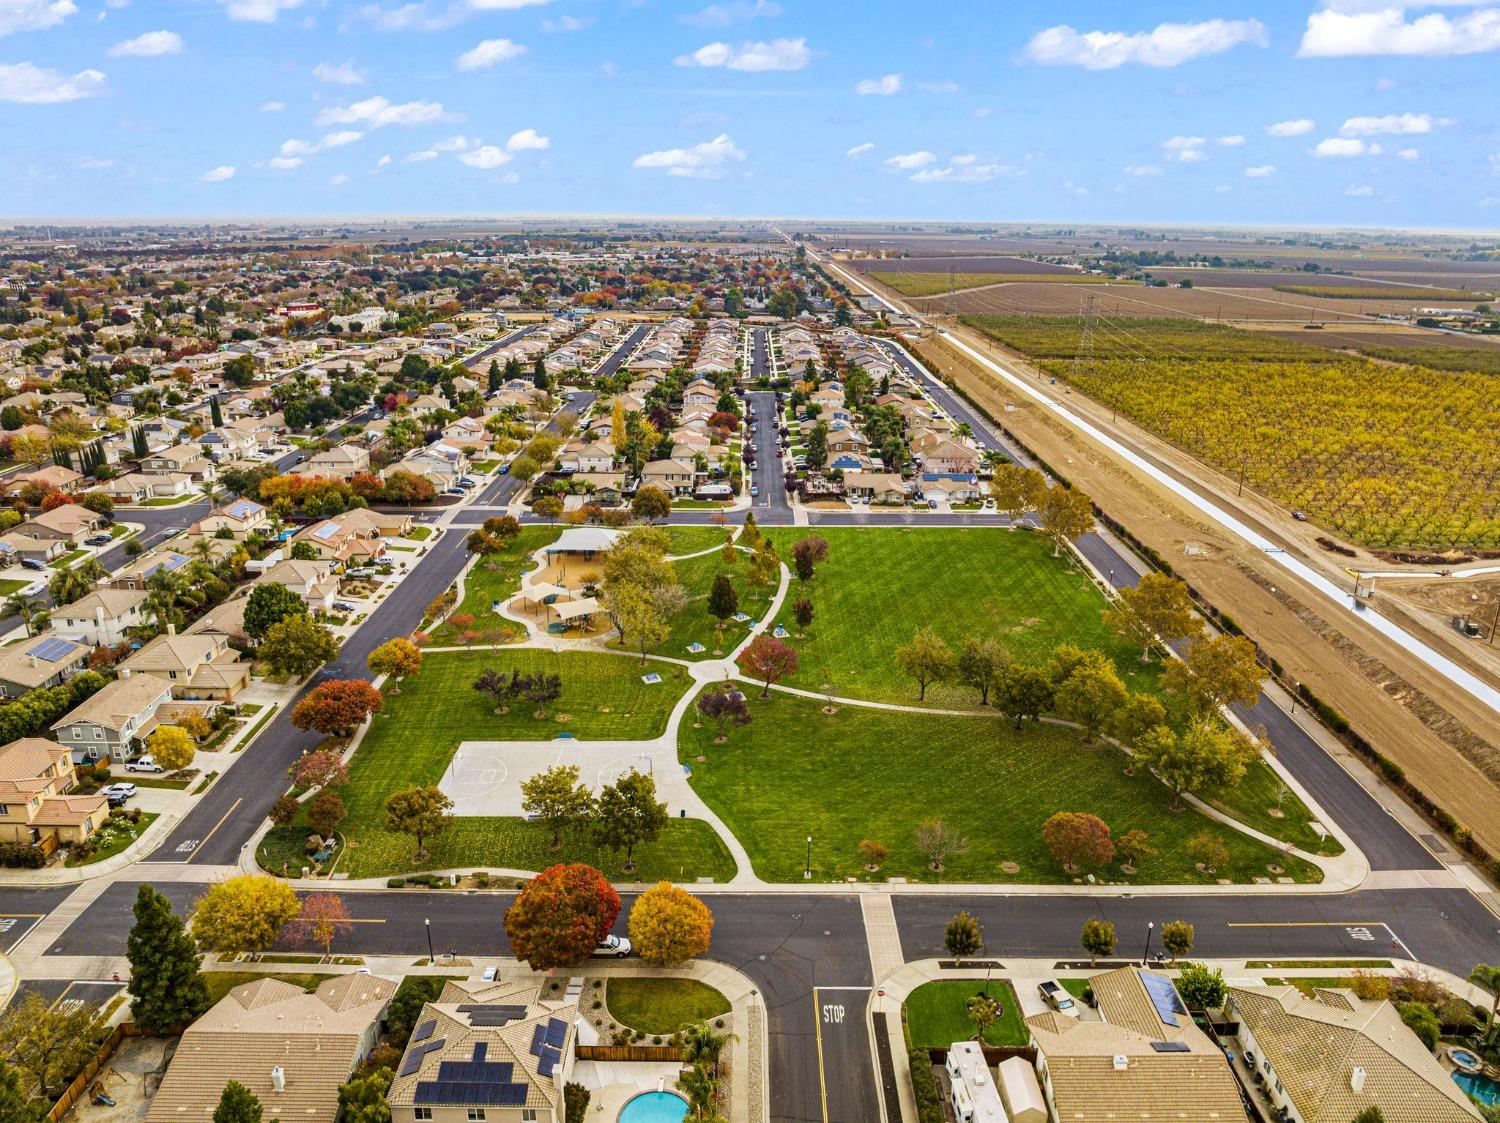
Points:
(172, 747)
(243, 914)
(669, 926)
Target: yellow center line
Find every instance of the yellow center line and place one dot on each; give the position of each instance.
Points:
(1306, 924)
(822, 1078)
(202, 842)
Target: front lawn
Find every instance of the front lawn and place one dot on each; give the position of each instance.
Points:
(936, 1016)
(8, 587)
(114, 836)
(419, 533)
(662, 1006)
(876, 774)
(496, 577)
(414, 739)
(880, 585)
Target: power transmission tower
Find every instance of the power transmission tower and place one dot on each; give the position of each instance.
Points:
(950, 305)
(1085, 353)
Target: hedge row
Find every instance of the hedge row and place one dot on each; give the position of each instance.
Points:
(924, 1087)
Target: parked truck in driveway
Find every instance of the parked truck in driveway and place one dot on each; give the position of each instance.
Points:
(1056, 996)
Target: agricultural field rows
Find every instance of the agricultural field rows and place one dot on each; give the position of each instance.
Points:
(927, 284)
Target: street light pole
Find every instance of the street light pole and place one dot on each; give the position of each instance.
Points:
(807, 870)
(1146, 955)
(427, 924)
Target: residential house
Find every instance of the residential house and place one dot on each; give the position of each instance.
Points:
(353, 537)
(240, 518)
(53, 477)
(35, 777)
(42, 661)
(291, 1049)
(67, 523)
(1144, 1058)
(486, 1053)
(313, 581)
(952, 457)
(137, 573)
(108, 723)
(675, 477)
(878, 487)
(1328, 1056)
(183, 459)
(594, 456)
(440, 463)
(101, 618)
(339, 462)
(604, 488)
(950, 488)
(227, 619)
(199, 666)
(700, 394)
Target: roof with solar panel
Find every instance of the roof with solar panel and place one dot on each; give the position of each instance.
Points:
(487, 1044)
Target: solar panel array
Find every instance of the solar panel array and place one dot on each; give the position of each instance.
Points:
(424, 1030)
(1170, 1046)
(548, 1059)
(557, 1032)
(476, 1081)
(493, 1014)
(415, 1056)
(1163, 996)
(53, 649)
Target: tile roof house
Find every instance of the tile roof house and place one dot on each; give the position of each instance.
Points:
(107, 723)
(185, 459)
(1144, 1060)
(198, 666)
(486, 1051)
(292, 1049)
(34, 775)
(353, 537)
(101, 618)
(675, 477)
(44, 660)
(339, 462)
(239, 517)
(313, 581)
(52, 476)
(1330, 1055)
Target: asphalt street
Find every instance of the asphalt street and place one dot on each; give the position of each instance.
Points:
(770, 505)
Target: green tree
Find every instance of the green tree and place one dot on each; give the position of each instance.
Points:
(297, 646)
(984, 1010)
(420, 811)
(651, 503)
(1091, 696)
(15, 1107)
(166, 987)
(269, 604)
(1066, 514)
(1140, 714)
(1420, 1019)
(237, 1105)
(1205, 756)
(1216, 672)
(1159, 607)
(1016, 490)
(45, 1045)
(1371, 1114)
(363, 1100)
(1177, 938)
(304, 551)
(556, 797)
(980, 662)
(1488, 977)
(927, 658)
(1022, 692)
(1200, 987)
(629, 814)
(723, 601)
(1097, 938)
(963, 936)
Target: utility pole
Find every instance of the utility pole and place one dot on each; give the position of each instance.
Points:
(1495, 623)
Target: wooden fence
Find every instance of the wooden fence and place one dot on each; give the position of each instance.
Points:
(79, 1088)
(629, 1052)
(993, 1054)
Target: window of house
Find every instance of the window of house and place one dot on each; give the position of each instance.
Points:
(4, 809)
(421, 1113)
(476, 1115)
(98, 733)
(528, 1115)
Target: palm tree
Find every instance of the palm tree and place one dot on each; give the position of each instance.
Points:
(17, 605)
(1488, 977)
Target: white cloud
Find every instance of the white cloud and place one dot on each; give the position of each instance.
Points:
(938, 87)
(1234, 141)
(340, 74)
(1141, 169)
(1343, 30)
(1260, 171)
(910, 161)
(454, 144)
(776, 54)
(219, 174)
(285, 163)
(149, 45)
(338, 180)
(565, 23)
(490, 52)
(30, 84)
(33, 15)
(419, 157)
(292, 151)
(1359, 190)
(527, 140)
(1385, 85)
(485, 157)
(505, 5)
(93, 163)
(1185, 149)
(702, 161)
(1299, 126)
(860, 149)
(272, 106)
(384, 161)
(722, 15)
(1409, 154)
(258, 11)
(965, 168)
(1168, 44)
(340, 138)
(878, 87)
(1405, 124)
(1345, 146)
(377, 112)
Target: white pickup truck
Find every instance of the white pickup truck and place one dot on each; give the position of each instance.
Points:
(143, 764)
(1055, 996)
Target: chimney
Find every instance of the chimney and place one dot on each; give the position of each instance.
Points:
(1357, 1079)
(171, 629)
(278, 1079)
(1122, 1062)
(31, 659)
(124, 672)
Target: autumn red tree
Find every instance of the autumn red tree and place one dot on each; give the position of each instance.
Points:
(769, 660)
(321, 769)
(337, 706)
(367, 485)
(55, 499)
(561, 916)
(323, 917)
(1077, 839)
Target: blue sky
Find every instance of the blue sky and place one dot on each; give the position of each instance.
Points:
(1321, 112)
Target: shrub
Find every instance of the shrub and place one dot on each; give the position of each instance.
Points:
(21, 855)
(396, 883)
(924, 1087)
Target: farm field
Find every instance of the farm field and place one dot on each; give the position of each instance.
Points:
(1127, 300)
(862, 773)
(1004, 264)
(926, 284)
(1385, 292)
(1384, 455)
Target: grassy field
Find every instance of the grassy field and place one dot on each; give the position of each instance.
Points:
(880, 585)
(929, 284)
(496, 577)
(694, 624)
(936, 1016)
(413, 741)
(691, 539)
(1252, 800)
(864, 773)
(662, 1006)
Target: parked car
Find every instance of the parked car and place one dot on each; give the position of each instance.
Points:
(342, 606)
(360, 571)
(143, 764)
(754, 464)
(35, 589)
(754, 490)
(616, 946)
(98, 540)
(117, 794)
(1055, 996)
(780, 452)
(455, 491)
(33, 563)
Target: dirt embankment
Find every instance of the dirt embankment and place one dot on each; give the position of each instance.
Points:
(1448, 743)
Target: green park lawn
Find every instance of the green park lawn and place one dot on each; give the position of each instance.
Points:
(936, 1015)
(414, 738)
(662, 1006)
(496, 577)
(880, 585)
(1252, 800)
(865, 773)
(694, 624)
(692, 539)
